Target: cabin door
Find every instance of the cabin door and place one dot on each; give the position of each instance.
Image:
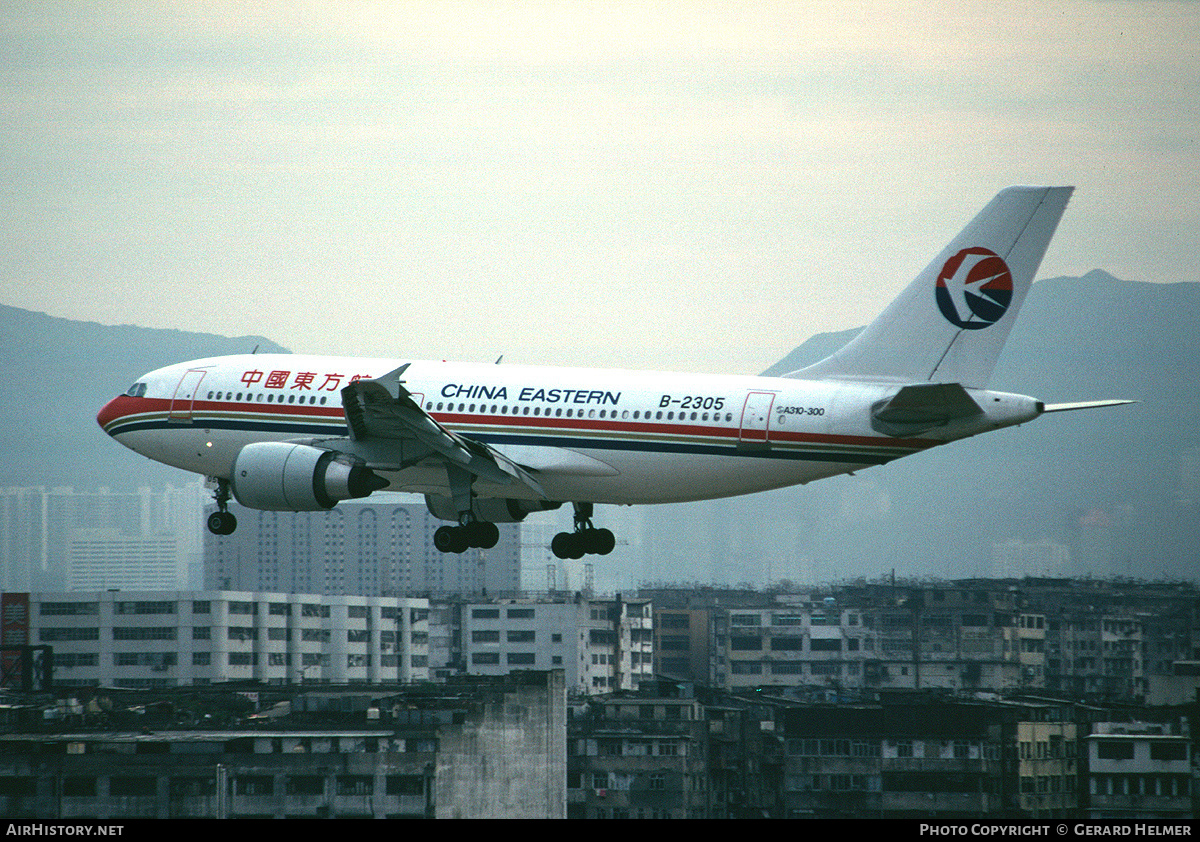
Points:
(756, 419)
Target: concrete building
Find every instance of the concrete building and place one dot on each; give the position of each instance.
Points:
(380, 546)
(641, 755)
(1047, 759)
(63, 539)
(485, 748)
(1138, 771)
(178, 638)
(602, 645)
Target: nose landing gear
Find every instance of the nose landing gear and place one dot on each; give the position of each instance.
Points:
(586, 539)
(222, 521)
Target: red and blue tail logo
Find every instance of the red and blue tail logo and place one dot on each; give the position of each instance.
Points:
(974, 288)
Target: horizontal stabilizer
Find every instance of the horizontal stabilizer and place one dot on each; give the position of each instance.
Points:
(1069, 407)
(915, 409)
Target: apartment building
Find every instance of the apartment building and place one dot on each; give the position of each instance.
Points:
(638, 756)
(1048, 766)
(140, 639)
(1137, 771)
(1084, 639)
(482, 748)
(60, 538)
(381, 546)
(601, 645)
(801, 644)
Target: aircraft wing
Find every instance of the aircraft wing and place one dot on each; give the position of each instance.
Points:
(383, 409)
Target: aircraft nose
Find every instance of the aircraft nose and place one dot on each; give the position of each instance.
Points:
(113, 411)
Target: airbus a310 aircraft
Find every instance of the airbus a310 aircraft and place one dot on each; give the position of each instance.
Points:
(488, 444)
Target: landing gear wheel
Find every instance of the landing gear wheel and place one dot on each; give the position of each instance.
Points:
(457, 539)
(450, 539)
(567, 545)
(222, 523)
(601, 541)
(575, 545)
(482, 534)
(585, 539)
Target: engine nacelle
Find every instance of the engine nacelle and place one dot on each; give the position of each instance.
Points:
(281, 477)
(490, 509)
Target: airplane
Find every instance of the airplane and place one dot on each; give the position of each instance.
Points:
(493, 443)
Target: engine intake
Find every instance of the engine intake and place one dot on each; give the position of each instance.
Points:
(280, 477)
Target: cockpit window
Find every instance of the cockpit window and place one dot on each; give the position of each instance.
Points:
(137, 390)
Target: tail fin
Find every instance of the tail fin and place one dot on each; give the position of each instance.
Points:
(949, 325)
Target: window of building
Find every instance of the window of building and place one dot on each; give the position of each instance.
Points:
(1168, 751)
(1114, 749)
(54, 609)
(132, 785)
(254, 785)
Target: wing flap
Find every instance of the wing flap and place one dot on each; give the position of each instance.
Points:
(384, 409)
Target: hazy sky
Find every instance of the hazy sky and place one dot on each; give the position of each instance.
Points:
(686, 185)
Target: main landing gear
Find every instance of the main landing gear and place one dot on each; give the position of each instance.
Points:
(222, 521)
(586, 539)
(473, 533)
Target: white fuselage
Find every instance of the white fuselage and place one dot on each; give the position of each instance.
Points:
(602, 436)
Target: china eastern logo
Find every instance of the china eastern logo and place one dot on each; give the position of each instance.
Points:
(974, 289)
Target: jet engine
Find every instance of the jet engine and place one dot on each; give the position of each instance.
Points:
(281, 477)
(489, 509)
